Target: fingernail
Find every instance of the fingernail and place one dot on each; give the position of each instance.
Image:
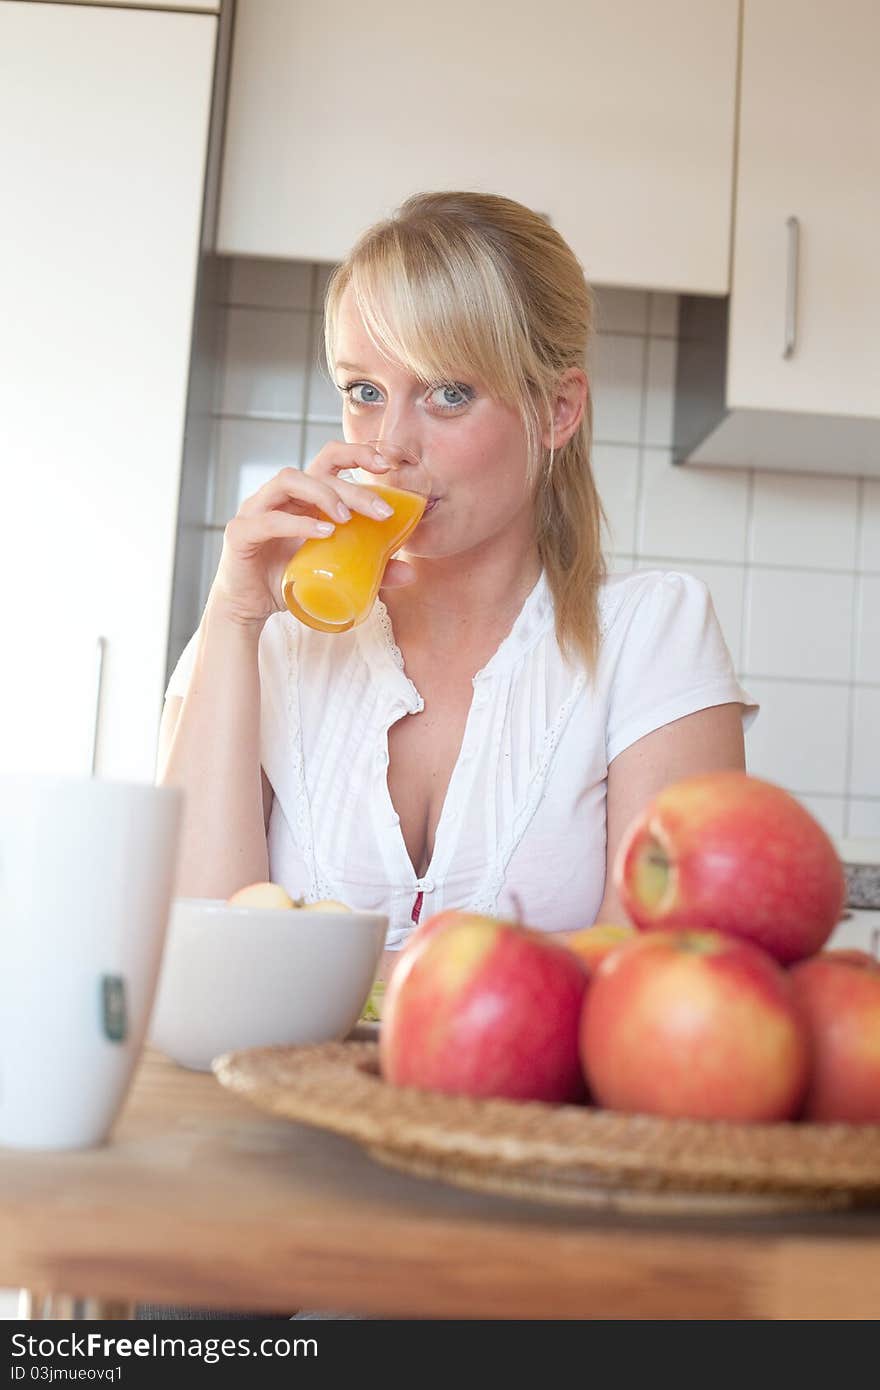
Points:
(324, 528)
(342, 512)
(382, 508)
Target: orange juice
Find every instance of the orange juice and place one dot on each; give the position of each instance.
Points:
(331, 584)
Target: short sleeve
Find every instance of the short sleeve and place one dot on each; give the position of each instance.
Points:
(182, 673)
(671, 660)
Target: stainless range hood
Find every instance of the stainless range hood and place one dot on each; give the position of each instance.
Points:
(707, 430)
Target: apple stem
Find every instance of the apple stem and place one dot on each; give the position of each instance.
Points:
(517, 907)
(875, 943)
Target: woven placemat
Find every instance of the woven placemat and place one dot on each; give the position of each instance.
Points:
(560, 1153)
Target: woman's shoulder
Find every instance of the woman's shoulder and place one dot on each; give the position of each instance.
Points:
(650, 596)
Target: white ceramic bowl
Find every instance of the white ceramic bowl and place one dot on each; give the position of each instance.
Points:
(236, 977)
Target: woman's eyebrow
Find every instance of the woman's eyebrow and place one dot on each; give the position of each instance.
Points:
(351, 367)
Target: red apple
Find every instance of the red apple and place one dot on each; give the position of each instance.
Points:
(593, 944)
(839, 993)
(728, 852)
(694, 1025)
(481, 1007)
(429, 925)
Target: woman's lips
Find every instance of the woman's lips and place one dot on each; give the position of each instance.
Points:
(430, 505)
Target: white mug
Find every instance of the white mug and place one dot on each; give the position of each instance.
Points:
(86, 877)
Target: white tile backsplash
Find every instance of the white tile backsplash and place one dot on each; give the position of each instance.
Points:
(864, 817)
(270, 284)
(792, 561)
(804, 520)
(865, 774)
(799, 737)
(265, 363)
(616, 469)
(322, 278)
(325, 399)
(317, 436)
(663, 315)
(868, 630)
(211, 560)
(660, 392)
(698, 514)
(869, 556)
(617, 374)
(799, 624)
(829, 811)
(249, 453)
(621, 311)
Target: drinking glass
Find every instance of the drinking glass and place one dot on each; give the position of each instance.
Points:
(331, 584)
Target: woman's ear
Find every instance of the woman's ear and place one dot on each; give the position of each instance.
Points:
(569, 403)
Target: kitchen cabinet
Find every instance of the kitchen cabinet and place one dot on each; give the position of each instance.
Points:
(803, 317)
(212, 6)
(615, 120)
(785, 374)
(106, 113)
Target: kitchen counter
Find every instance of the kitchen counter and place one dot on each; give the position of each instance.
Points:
(861, 864)
(863, 886)
(859, 930)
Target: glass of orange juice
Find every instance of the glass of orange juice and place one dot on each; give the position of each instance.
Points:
(331, 584)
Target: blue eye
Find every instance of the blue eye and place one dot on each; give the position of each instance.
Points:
(451, 396)
(362, 393)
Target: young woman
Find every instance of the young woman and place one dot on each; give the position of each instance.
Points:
(484, 738)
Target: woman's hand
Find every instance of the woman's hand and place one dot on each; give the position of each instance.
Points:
(270, 527)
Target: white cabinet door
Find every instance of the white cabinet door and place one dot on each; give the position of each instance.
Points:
(809, 149)
(104, 114)
(615, 119)
(212, 6)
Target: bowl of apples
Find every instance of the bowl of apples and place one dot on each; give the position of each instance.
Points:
(261, 969)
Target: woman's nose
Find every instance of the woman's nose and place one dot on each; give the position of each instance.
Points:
(398, 427)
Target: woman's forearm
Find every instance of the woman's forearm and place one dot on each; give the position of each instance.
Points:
(214, 755)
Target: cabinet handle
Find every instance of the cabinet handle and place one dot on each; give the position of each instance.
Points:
(791, 286)
(99, 681)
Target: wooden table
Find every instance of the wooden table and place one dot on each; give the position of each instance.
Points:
(204, 1201)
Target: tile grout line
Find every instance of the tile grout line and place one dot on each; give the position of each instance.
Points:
(771, 568)
(266, 308)
(262, 418)
(253, 307)
(826, 795)
(745, 626)
(207, 569)
(309, 363)
(853, 662)
(638, 504)
(831, 683)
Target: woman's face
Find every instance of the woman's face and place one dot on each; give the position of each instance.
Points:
(474, 447)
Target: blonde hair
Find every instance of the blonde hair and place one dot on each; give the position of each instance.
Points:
(470, 280)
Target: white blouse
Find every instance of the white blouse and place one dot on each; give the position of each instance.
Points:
(522, 830)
